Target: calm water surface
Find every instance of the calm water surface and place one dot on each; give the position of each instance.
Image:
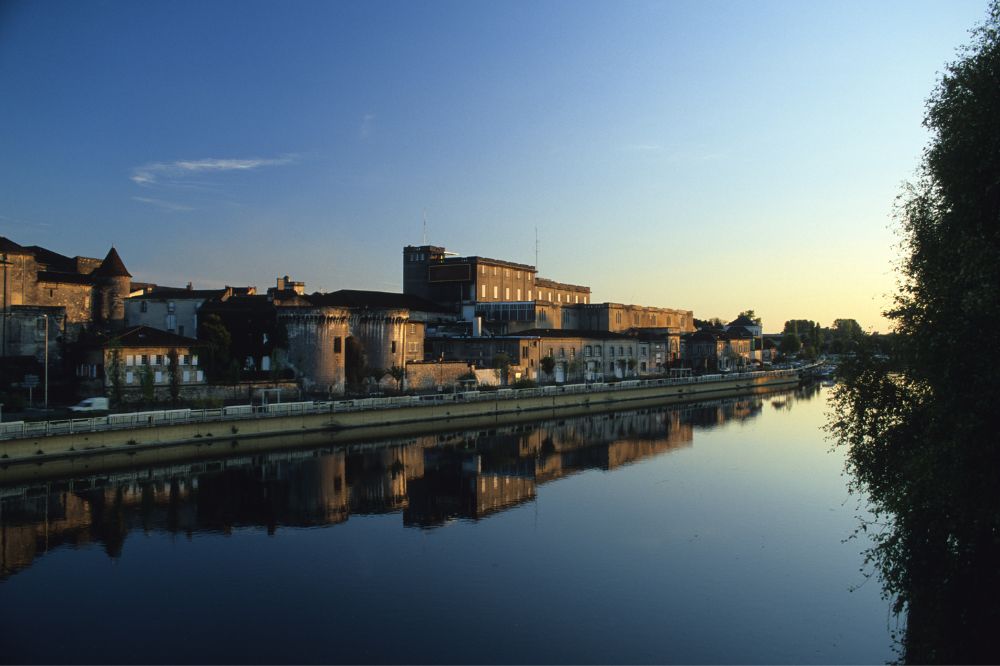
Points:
(706, 533)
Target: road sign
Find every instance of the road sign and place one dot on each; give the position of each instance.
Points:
(30, 381)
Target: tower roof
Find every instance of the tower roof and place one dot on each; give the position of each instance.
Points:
(112, 266)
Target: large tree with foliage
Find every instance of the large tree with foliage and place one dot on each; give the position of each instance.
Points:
(921, 426)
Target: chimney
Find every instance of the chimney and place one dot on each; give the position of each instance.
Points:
(190, 286)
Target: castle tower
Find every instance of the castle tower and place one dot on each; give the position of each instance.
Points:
(113, 283)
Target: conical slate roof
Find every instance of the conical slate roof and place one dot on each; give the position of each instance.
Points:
(112, 266)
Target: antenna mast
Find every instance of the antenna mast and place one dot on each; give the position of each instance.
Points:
(425, 229)
(536, 247)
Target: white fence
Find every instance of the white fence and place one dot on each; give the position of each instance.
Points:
(132, 420)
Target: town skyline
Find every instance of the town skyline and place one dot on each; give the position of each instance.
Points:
(712, 158)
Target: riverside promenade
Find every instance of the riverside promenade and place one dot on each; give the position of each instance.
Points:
(45, 440)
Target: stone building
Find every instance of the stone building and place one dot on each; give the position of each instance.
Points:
(135, 352)
(170, 309)
(340, 338)
(41, 290)
(432, 273)
(92, 291)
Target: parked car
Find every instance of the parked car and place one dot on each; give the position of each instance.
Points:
(91, 405)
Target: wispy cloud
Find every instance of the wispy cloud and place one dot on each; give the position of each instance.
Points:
(160, 172)
(160, 203)
(367, 125)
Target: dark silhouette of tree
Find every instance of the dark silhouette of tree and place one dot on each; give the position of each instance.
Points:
(921, 423)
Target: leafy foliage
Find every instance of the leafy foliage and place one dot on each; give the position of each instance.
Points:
(920, 423)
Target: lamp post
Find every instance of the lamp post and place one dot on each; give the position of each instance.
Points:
(45, 318)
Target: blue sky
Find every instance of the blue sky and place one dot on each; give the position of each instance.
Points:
(703, 155)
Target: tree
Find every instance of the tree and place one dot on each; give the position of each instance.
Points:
(501, 365)
(751, 315)
(218, 341)
(920, 424)
(548, 365)
(116, 372)
(175, 375)
(399, 374)
(148, 383)
(790, 344)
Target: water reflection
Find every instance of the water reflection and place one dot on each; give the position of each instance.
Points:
(429, 480)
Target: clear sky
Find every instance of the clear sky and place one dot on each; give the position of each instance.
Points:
(703, 155)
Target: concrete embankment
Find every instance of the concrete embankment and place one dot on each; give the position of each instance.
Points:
(201, 437)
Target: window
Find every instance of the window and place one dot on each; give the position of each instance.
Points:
(506, 293)
(597, 351)
(129, 360)
(559, 297)
(494, 270)
(524, 352)
(171, 306)
(336, 345)
(529, 294)
(611, 351)
(506, 272)
(587, 351)
(194, 360)
(577, 298)
(181, 359)
(519, 294)
(171, 322)
(496, 291)
(129, 376)
(621, 351)
(584, 300)
(199, 376)
(484, 291)
(392, 346)
(572, 352)
(143, 359)
(158, 378)
(144, 306)
(186, 375)
(550, 295)
(562, 352)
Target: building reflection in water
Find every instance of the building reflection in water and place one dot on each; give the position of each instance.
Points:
(430, 480)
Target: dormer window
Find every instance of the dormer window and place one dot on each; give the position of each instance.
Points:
(171, 306)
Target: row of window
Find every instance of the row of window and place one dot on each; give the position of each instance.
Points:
(541, 295)
(159, 377)
(506, 272)
(144, 306)
(159, 359)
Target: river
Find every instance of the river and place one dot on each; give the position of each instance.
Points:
(717, 532)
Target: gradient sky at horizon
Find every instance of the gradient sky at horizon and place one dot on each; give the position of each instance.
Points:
(703, 155)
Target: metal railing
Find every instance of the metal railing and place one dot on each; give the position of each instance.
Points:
(133, 420)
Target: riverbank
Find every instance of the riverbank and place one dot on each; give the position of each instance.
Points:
(129, 434)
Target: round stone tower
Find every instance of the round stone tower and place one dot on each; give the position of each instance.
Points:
(113, 284)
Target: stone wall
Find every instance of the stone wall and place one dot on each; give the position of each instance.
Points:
(317, 343)
(430, 375)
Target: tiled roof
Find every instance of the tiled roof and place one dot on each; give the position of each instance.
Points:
(743, 320)
(144, 336)
(179, 293)
(570, 333)
(65, 278)
(354, 298)
(9, 246)
(112, 266)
